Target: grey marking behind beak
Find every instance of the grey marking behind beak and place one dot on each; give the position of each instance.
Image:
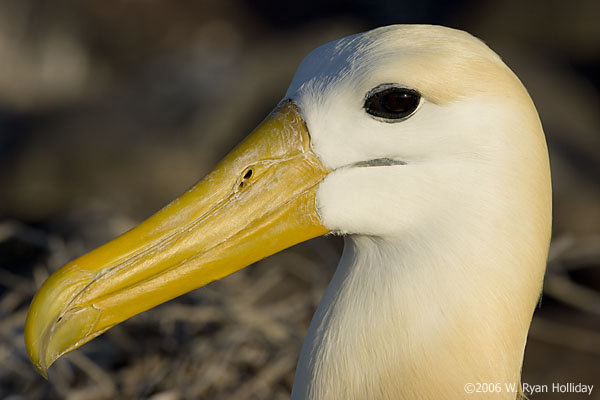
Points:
(378, 162)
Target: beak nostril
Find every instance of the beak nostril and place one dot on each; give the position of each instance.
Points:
(246, 176)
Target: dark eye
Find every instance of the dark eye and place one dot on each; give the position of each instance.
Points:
(390, 102)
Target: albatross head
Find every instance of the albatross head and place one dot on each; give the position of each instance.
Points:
(466, 130)
(421, 146)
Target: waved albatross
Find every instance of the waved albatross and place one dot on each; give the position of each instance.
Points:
(421, 147)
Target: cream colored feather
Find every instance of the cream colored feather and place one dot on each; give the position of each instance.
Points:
(444, 256)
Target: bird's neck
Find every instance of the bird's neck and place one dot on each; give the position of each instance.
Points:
(406, 320)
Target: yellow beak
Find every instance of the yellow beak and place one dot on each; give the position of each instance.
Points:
(259, 200)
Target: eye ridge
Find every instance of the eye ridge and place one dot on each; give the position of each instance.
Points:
(392, 103)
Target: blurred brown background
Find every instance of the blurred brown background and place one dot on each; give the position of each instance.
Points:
(109, 109)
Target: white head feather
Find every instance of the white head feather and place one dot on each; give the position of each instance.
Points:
(445, 256)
